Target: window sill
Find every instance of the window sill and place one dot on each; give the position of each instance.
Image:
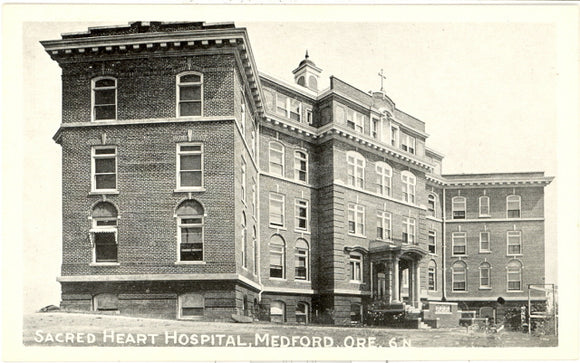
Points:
(508, 291)
(459, 255)
(485, 288)
(520, 255)
(484, 252)
(281, 228)
(277, 279)
(460, 291)
(303, 281)
(485, 216)
(104, 191)
(432, 254)
(104, 264)
(303, 231)
(357, 235)
(189, 190)
(358, 282)
(190, 263)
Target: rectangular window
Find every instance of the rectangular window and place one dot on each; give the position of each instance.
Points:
(383, 225)
(514, 205)
(484, 277)
(288, 107)
(301, 166)
(254, 197)
(514, 278)
(301, 268)
(301, 215)
(459, 279)
(309, 118)
(191, 239)
(104, 168)
(394, 136)
(277, 261)
(360, 122)
(350, 119)
(276, 210)
(484, 242)
(281, 105)
(432, 277)
(432, 242)
(243, 180)
(189, 166)
(514, 243)
(276, 158)
(243, 115)
(189, 89)
(105, 246)
(356, 267)
(104, 99)
(295, 110)
(356, 217)
(375, 128)
(484, 206)
(459, 241)
(408, 230)
(431, 205)
(408, 143)
(458, 205)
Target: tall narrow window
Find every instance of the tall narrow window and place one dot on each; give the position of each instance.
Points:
(255, 250)
(190, 216)
(276, 210)
(281, 105)
(295, 110)
(356, 217)
(356, 169)
(309, 118)
(104, 99)
(514, 206)
(277, 257)
(360, 122)
(189, 166)
(432, 205)
(243, 180)
(301, 166)
(244, 228)
(243, 115)
(383, 225)
(408, 186)
(104, 169)
(408, 230)
(301, 215)
(350, 119)
(189, 94)
(484, 242)
(254, 198)
(394, 136)
(459, 243)
(514, 276)
(432, 275)
(408, 143)
(301, 260)
(302, 313)
(514, 243)
(484, 206)
(104, 233)
(355, 263)
(276, 158)
(253, 146)
(458, 206)
(459, 276)
(384, 174)
(485, 276)
(432, 242)
(375, 128)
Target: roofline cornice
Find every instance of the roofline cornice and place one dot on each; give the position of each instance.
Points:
(493, 183)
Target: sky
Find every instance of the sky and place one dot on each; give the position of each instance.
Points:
(487, 91)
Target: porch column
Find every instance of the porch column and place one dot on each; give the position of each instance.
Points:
(395, 279)
(417, 285)
(411, 288)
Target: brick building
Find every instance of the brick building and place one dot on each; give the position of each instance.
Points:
(195, 187)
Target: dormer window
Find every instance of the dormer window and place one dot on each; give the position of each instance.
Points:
(104, 98)
(189, 94)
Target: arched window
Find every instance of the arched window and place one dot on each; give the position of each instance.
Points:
(513, 206)
(301, 260)
(432, 275)
(277, 257)
(484, 210)
(301, 166)
(356, 169)
(191, 306)
(432, 204)
(302, 313)
(458, 207)
(244, 241)
(484, 275)
(277, 312)
(104, 233)
(190, 216)
(105, 302)
(189, 94)
(409, 182)
(514, 276)
(301, 81)
(276, 158)
(384, 174)
(459, 276)
(104, 98)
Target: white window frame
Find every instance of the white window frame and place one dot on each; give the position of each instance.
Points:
(107, 228)
(483, 205)
(456, 237)
(286, 111)
(375, 127)
(518, 201)
(356, 164)
(178, 170)
(94, 89)
(511, 272)
(432, 271)
(94, 174)
(509, 238)
(278, 250)
(299, 157)
(394, 130)
(432, 197)
(244, 227)
(408, 143)
(384, 178)
(178, 85)
(409, 230)
(181, 224)
(355, 260)
(455, 274)
(485, 266)
(433, 234)
(281, 199)
(302, 252)
(458, 204)
(309, 116)
(301, 204)
(481, 241)
(384, 223)
(356, 216)
(305, 314)
(409, 181)
(276, 147)
(243, 178)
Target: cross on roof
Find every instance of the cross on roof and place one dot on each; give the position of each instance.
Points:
(383, 77)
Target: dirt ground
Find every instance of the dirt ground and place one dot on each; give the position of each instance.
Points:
(76, 329)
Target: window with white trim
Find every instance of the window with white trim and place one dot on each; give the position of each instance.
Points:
(302, 215)
(514, 243)
(288, 107)
(408, 186)
(459, 243)
(514, 276)
(513, 206)
(104, 98)
(432, 205)
(355, 120)
(104, 233)
(394, 136)
(243, 180)
(485, 275)
(276, 210)
(277, 312)
(276, 158)
(301, 260)
(432, 242)
(408, 235)
(355, 263)
(190, 216)
(356, 219)
(244, 228)
(383, 225)
(408, 143)
(302, 313)
(104, 169)
(309, 118)
(384, 176)
(484, 242)
(458, 207)
(189, 94)
(432, 276)
(191, 306)
(375, 128)
(301, 166)
(484, 210)
(459, 276)
(355, 169)
(189, 166)
(277, 257)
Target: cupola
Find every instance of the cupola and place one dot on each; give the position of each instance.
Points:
(307, 74)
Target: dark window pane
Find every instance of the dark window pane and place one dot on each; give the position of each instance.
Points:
(105, 165)
(188, 93)
(190, 78)
(104, 151)
(190, 108)
(105, 83)
(190, 148)
(190, 220)
(105, 112)
(105, 97)
(276, 271)
(191, 235)
(513, 213)
(105, 247)
(191, 178)
(190, 162)
(107, 223)
(107, 181)
(300, 273)
(191, 311)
